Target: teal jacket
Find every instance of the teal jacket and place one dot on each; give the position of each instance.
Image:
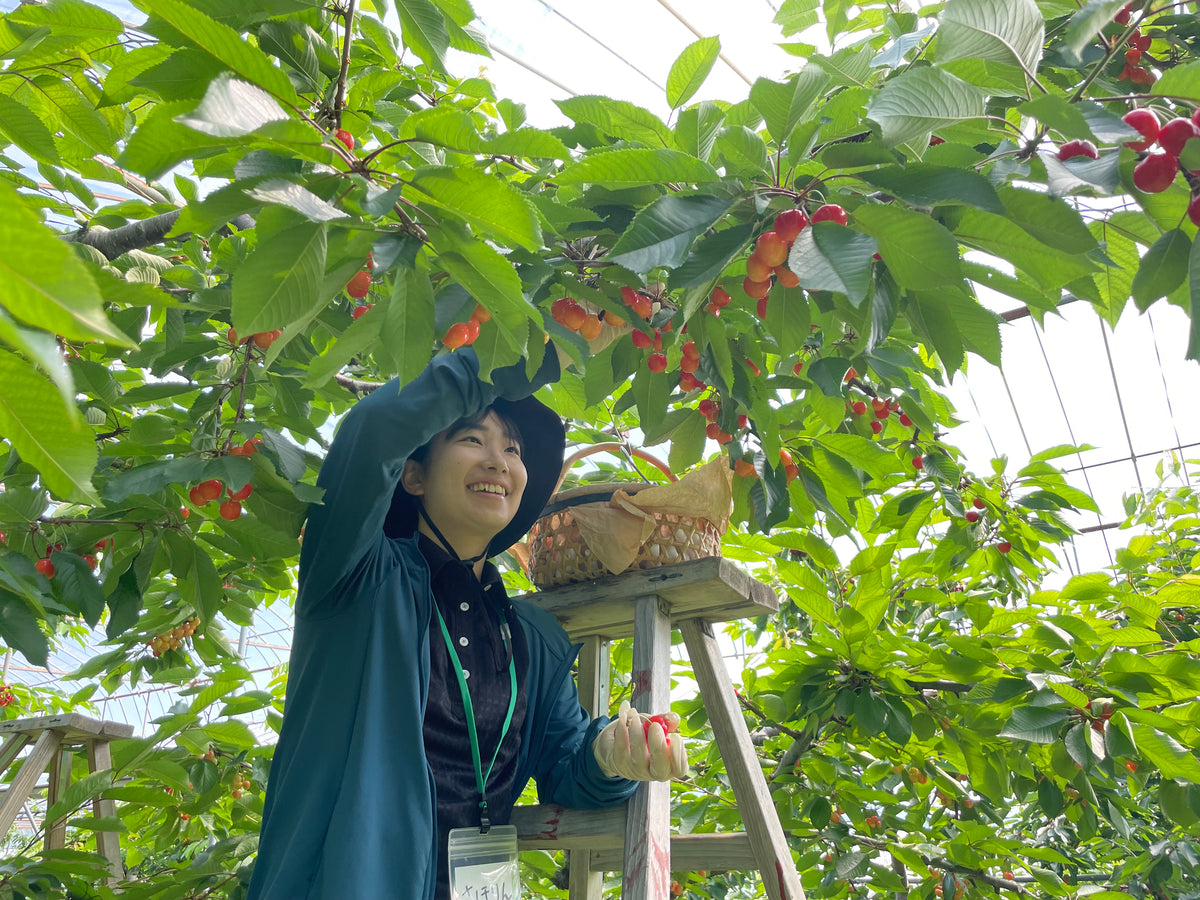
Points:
(350, 806)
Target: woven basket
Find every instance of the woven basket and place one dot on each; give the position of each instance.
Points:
(559, 554)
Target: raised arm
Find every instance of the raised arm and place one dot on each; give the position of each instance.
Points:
(368, 452)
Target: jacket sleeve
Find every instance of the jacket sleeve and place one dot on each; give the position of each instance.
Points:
(367, 455)
(561, 735)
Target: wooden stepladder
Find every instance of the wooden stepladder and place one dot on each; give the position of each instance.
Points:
(635, 839)
(55, 740)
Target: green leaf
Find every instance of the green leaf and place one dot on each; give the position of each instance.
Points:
(1000, 236)
(1163, 268)
(1007, 31)
(45, 283)
(795, 16)
(630, 168)
(491, 279)
(232, 108)
(697, 129)
(1193, 348)
(20, 125)
(444, 126)
(743, 150)
(408, 332)
(710, 256)
(832, 257)
(49, 433)
(125, 601)
(284, 193)
(80, 792)
(1171, 758)
(492, 206)
(919, 101)
(78, 586)
(424, 31)
(929, 312)
(20, 629)
(1088, 22)
(1060, 114)
(923, 184)
(618, 118)
(1034, 724)
(782, 105)
(1182, 81)
(663, 232)
(223, 44)
(528, 142)
(918, 251)
(279, 281)
(690, 69)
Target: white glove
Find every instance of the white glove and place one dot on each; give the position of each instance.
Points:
(638, 747)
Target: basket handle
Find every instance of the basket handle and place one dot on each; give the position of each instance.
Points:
(614, 447)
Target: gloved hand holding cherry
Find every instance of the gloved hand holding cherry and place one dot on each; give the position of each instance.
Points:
(641, 747)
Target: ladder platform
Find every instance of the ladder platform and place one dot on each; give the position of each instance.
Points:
(72, 727)
(713, 589)
(602, 831)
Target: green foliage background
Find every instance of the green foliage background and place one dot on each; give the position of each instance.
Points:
(925, 695)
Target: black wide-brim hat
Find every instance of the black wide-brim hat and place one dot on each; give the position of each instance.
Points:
(543, 440)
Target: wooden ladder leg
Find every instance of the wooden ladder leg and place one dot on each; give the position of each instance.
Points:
(48, 744)
(648, 827)
(585, 884)
(107, 842)
(771, 850)
(60, 779)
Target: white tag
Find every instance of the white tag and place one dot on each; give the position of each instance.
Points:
(484, 866)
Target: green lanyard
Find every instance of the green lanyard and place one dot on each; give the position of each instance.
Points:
(480, 776)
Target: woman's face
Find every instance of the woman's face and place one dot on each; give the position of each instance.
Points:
(471, 483)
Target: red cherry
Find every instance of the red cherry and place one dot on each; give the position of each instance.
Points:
(1140, 75)
(210, 490)
(568, 313)
(197, 497)
(472, 326)
(45, 567)
(789, 223)
(1145, 123)
(1193, 210)
(358, 286)
(1004, 546)
(240, 495)
(1174, 135)
(757, 269)
(689, 382)
(720, 298)
(798, 367)
(641, 340)
(360, 311)
(1121, 18)
(1077, 148)
(707, 408)
(830, 212)
(787, 277)
(230, 510)
(978, 503)
(713, 430)
(859, 407)
(657, 362)
(265, 339)
(456, 336)
(1154, 174)
(345, 137)
(760, 308)
(743, 420)
(905, 420)
(1141, 41)
(972, 516)
(757, 289)
(481, 314)
(771, 249)
(876, 426)
(918, 462)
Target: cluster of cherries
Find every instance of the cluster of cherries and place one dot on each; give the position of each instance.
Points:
(588, 325)
(463, 334)
(207, 491)
(173, 639)
(768, 261)
(261, 339)
(45, 567)
(1138, 44)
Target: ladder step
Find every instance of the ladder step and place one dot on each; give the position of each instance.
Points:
(549, 827)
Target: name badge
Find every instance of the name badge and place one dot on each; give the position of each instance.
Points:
(484, 866)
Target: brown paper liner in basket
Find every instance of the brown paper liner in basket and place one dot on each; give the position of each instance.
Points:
(598, 530)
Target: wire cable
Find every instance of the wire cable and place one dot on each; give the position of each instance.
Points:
(692, 28)
(601, 43)
(1167, 393)
(524, 65)
(1121, 408)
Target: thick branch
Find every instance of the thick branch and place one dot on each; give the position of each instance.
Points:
(136, 235)
(356, 386)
